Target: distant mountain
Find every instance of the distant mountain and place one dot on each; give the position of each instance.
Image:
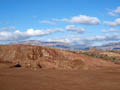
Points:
(36, 42)
(109, 46)
(60, 45)
(67, 46)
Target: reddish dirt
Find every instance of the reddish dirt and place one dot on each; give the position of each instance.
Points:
(25, 79)
(36, 57)
(53, 69)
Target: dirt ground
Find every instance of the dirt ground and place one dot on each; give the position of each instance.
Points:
(26, 79)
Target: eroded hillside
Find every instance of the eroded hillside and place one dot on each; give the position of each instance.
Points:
(35, 57)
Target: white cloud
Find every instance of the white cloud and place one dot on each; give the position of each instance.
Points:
(74, 28)
(87, 41)
(115, 12)
(113, 23)
(18, 35)
(32, 32)
(48, 22)
(109, 30)
(104, 38)
(112, 14)
(81, 19)
(11, 28)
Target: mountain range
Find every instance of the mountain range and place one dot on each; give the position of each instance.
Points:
(60, 45)
(67, 46)
(109, 46)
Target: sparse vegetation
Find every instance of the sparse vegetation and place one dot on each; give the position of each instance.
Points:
(114, 59)
(114, 51)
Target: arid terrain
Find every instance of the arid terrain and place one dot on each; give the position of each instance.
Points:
(27, 67)
(59, 45)
(22, 79)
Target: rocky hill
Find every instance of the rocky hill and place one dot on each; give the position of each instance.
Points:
(36, 57)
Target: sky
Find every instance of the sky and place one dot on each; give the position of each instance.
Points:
(85, 22)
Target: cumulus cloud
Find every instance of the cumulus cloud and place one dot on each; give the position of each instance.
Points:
(113, 23)
(11, 28)
(18, 35)
(115, 12)
(9, 36)
(32, 32)
(75, 29)
(81, 19)
(109, 30)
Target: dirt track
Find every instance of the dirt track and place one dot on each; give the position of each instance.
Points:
(24, 79)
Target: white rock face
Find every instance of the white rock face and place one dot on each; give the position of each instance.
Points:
(45, 53)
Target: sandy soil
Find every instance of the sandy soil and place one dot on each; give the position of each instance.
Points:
(26, 79)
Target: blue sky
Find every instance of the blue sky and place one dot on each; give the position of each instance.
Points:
(89, 22)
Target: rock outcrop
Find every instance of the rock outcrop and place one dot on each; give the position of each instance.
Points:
(29, 56)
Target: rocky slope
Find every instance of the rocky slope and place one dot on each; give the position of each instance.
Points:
(35, 57)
